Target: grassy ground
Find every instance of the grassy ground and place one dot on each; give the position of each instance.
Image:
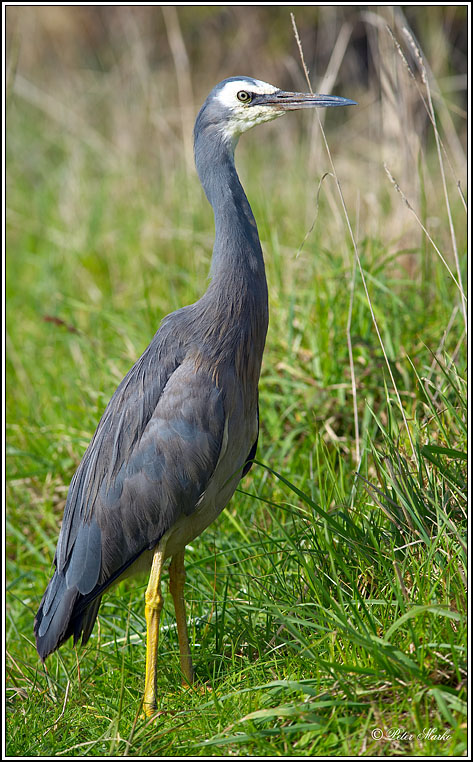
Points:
(327, 603)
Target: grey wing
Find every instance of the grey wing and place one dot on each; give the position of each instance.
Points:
(168, 470)
(149, 462)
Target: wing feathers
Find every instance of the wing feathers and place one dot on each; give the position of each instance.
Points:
(85, 561)
(149, 462)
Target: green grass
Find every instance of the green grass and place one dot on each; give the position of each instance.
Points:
(329, 599)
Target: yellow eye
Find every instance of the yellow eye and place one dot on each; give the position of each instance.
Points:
(244, 97)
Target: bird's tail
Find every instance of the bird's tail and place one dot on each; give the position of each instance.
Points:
(61, 615)
(65, 611)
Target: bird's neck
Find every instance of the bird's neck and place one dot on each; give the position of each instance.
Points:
(236, 301)
(237, 256)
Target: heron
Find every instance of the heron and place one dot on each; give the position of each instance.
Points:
(181, 429)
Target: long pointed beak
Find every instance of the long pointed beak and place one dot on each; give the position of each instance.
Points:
(286, 101)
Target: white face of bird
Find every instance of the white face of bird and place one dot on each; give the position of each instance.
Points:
(238, 97)
(250, 102)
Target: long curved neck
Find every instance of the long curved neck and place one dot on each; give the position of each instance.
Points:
(236, 301)
(237, 250)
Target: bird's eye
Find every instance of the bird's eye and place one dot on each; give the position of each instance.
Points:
(244, 97)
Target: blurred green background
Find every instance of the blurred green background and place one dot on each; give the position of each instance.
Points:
(327, 604)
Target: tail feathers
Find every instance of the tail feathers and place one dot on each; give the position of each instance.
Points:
(89, 617)
(65, 611)
(59, 616)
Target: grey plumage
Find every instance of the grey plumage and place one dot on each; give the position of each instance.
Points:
(182, 426)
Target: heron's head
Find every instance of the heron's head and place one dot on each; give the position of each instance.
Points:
(239, 103)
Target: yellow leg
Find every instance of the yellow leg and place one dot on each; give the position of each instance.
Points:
(177, 578)
(153, 606)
